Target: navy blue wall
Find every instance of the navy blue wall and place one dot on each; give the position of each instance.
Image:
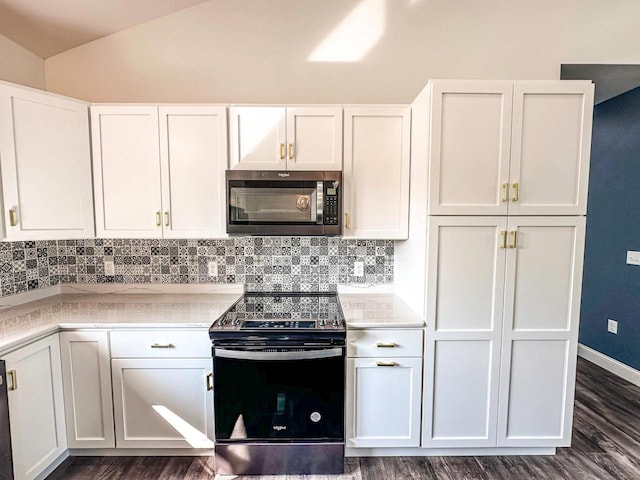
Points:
(611, 288)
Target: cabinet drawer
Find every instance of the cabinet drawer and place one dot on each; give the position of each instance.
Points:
(160, 343)
(384, 343)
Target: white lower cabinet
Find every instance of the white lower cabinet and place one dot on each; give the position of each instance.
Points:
(86, 375)
(36, 407)
(166, 401)
(383, 388)
(503, 296)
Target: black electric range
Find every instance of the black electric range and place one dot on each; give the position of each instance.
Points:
(279, 373)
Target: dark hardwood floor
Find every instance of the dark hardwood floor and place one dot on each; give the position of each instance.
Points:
(606, 445)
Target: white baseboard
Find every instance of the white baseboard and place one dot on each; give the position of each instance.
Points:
(612, 365)
(447, 452)
(55, 464)
(141, 452)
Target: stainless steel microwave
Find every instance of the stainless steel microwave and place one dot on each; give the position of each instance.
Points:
(284, 202)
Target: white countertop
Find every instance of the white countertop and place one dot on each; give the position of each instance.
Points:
(378, 310)
(22, 323)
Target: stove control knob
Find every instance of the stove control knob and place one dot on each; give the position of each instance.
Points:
(336, 323)
(235, 322)
(223, 321)
(323, 322)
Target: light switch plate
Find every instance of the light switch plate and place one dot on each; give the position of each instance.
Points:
(612, 326)
(633, 258)
(358, 269)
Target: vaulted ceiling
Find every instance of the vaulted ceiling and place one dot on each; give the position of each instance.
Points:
(48, 27)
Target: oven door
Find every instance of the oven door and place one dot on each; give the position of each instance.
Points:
(279, 396)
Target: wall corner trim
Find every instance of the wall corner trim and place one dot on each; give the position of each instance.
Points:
(614, 366)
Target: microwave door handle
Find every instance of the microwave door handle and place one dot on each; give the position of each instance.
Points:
(267, 356)
(320, 203)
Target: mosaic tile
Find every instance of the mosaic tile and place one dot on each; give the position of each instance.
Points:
(286, 264)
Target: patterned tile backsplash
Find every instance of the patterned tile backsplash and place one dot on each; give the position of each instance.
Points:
(261, 263)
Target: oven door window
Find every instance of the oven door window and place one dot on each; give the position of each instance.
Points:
(279, 400)
(256, 202)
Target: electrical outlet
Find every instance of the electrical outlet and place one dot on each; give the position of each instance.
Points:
(612, 326)
(212, 268)
(358, 269)
(633, 258)
(109, 268)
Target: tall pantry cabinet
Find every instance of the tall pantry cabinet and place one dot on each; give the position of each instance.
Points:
(507, 172)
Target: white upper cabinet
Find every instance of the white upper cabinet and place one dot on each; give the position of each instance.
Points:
(46, 165)
(314, 138)
(550, 148)
(159, 171)
(376, 172)
(286, 138)
(126, 170)
(501, 147)
(193, 152)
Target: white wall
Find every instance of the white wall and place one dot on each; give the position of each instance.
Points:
(19, 65)
(258, 50)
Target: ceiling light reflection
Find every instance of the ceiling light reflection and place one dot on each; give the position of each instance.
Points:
(355, 36)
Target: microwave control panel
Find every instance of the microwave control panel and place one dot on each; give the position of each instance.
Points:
(330, 204)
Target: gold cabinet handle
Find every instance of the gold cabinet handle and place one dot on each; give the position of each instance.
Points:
(386, 345)
(14, 380)
(291, 151)
(158, 219)
(163, 345)
(346, 220)
(209, 381)
(386, 364)
(503, 239)
(516, 192)
(13, 217)
(282, 151)
(514, 239)
(166, 218)
(505, 192)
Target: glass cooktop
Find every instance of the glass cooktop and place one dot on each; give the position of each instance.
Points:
(282, 311)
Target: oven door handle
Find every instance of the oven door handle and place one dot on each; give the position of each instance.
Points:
(266, 356)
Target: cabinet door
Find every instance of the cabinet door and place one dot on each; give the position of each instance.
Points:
(126, 168)
(36, 407)
(46, 166)
(465, 288)
(314, 138)
(469, 148)
(257, 138)
(550, 148)
(193, 149)
(376, 172)
(542, 307)
(86, 378)
(162, 403)
(383, 402)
